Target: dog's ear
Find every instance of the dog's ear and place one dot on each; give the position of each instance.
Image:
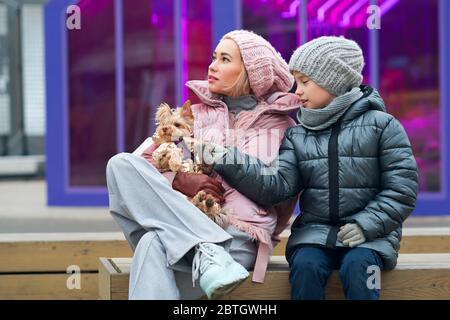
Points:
(186, 110)
(163, 114)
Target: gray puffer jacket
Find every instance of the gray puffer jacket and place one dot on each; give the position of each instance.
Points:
(361, 169)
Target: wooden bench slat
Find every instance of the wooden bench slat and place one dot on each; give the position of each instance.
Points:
(57, 256)
(53, 252)
(405, 261)
(47, 287)
(417, 276)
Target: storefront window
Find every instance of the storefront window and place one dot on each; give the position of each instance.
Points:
(341, 18)
(4, 80)
(199, 42)
(91, 94)
(276, 21)
(149, 63)
(409, 81)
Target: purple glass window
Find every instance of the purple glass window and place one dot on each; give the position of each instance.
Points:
(198, 47)
(91, 94)
(409, 81)
(149, 65)
(276, 21)
(346, 18)
(105, 81)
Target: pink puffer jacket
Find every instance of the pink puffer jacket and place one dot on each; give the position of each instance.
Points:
(259, 133)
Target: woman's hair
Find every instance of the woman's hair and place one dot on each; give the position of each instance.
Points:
(241, 86)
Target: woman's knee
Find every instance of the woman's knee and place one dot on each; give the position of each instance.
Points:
(124, 165)
(117, 161)
(149, 240)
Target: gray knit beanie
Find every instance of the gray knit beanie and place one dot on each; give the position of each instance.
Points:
(334, 63)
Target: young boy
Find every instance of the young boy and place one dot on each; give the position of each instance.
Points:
(352, 162)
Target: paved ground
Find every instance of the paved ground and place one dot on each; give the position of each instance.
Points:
(23, 209)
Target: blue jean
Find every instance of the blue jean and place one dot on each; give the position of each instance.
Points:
(310, 268)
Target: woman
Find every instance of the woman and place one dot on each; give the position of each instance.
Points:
(244, 103)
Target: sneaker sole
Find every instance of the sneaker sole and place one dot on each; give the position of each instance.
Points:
(225, 288)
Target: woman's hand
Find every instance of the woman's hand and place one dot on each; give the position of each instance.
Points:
(191, 183)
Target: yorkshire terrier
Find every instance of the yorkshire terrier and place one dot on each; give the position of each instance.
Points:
(168, 157)
(173, 126)
(209, 205)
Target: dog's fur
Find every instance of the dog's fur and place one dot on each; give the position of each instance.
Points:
(168, 157)
(173, 126)
(208, 204)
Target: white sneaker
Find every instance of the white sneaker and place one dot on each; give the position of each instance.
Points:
(219, 272)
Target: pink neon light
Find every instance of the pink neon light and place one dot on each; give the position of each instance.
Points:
(385, 7)
(350, 12)
(184, 48)
(154, 19)
(361, 17)
(324, 8)
(313, 4)
(338, 10)
(292, 10)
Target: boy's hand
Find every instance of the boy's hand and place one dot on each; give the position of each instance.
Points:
(351, 235)
(205, 152)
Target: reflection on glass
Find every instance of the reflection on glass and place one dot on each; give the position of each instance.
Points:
(275, 20)
(149, 62)
(198, 45)
(4, 79)
(92, 101)
(409, 80)
(341, 18)
(408, 69)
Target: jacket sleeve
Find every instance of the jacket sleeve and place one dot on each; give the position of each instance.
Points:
(398, 185)
(265, 185)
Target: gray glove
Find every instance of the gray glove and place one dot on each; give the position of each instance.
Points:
(351, 235)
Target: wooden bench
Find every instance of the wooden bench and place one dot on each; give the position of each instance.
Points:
(34, 266)
(416, 277)
(415, 240)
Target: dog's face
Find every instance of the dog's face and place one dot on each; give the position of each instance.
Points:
(173, 125)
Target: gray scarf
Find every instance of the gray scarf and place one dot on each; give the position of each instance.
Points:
(242, 103)
(319, 119)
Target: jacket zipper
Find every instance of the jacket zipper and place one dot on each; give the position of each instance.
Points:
(333, 184)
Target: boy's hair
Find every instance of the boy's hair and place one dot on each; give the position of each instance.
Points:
(334, 63)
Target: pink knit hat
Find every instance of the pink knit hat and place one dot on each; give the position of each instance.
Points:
(267, 71)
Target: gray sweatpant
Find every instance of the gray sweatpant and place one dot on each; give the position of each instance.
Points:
(162, 228)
